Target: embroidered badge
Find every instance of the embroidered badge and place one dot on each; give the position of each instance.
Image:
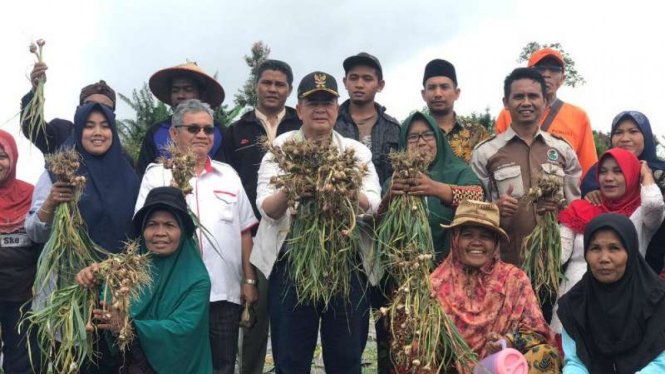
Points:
(244, 141)
(320, 80)
(552, 154)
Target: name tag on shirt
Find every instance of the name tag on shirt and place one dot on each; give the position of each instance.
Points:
(14, 240)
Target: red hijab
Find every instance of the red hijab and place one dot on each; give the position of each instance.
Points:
(581, 212)
(15, 195)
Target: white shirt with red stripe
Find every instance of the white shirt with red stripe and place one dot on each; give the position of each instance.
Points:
(221, 205)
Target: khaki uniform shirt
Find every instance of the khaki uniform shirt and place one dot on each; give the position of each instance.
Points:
(506, 159)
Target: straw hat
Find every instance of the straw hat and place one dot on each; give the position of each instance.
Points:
(478, 213)
(160, 83)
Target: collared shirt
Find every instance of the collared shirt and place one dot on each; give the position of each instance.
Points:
(222, 207)
(273, 232)
(572, 124)
(464, 136)
(271, 129)
(507, 160)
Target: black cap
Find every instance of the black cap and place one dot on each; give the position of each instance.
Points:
(316, 82)
(440, 68)
(363, 58)
(165, 198)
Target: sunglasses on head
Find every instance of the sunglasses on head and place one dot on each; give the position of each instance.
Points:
(195, 129)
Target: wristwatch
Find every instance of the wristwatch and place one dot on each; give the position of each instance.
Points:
(249, 281)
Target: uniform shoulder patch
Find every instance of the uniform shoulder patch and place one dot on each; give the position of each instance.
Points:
(485, 141)
(561, 138)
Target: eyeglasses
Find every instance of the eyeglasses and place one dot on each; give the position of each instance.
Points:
(415, 138)
(195, 129)
(552, 68)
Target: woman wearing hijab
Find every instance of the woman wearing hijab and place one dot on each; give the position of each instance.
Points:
(107, 201)
(488, 299)
(18, 258)
(628, 188)
(448, 182)
(614, 318)
(631, 131)
(109, 195)
(170, 317)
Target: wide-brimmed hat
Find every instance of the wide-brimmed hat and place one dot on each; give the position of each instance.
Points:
(160, 83)
(165, 198)
(478, 213)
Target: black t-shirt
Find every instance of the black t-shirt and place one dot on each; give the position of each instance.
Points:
(18, 264)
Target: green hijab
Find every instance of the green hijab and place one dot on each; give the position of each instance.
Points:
(171, 317)
(446, 168)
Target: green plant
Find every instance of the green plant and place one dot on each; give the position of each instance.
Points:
(34, 111)
(423, 338)
(246, 96)
(324, 245)
(148, 111)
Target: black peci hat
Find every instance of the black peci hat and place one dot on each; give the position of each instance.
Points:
(316, 82)
(165, 198)
(440, 68)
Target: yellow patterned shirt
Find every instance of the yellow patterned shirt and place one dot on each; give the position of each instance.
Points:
(464, 136)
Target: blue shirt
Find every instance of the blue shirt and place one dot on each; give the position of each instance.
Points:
(573, 365)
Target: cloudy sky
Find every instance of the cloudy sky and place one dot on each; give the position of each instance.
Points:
(617, 47)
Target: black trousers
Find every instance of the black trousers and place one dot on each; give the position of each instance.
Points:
(224, 331)
(295, 327)
(14, 344)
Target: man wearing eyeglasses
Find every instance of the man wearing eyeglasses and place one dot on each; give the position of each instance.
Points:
(219, 201)
(563, 119)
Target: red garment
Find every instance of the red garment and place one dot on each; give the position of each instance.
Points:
(15, 195)
(495, 298)
(581, 212)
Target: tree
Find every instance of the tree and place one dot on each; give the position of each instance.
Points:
(485, 119)
(246, 96)
(602, 140)
(573, 77)
(148, 110)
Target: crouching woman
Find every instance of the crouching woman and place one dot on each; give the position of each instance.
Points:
(614, 317)
(488, 299)
(170, 317)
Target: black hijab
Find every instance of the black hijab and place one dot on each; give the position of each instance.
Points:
(112, 186)
(619, 325)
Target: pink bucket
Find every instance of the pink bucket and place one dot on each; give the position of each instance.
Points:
(506, 361)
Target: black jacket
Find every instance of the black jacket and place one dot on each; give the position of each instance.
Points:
(385, 136)
(244, 152)
(57, 130)
(149, 150)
